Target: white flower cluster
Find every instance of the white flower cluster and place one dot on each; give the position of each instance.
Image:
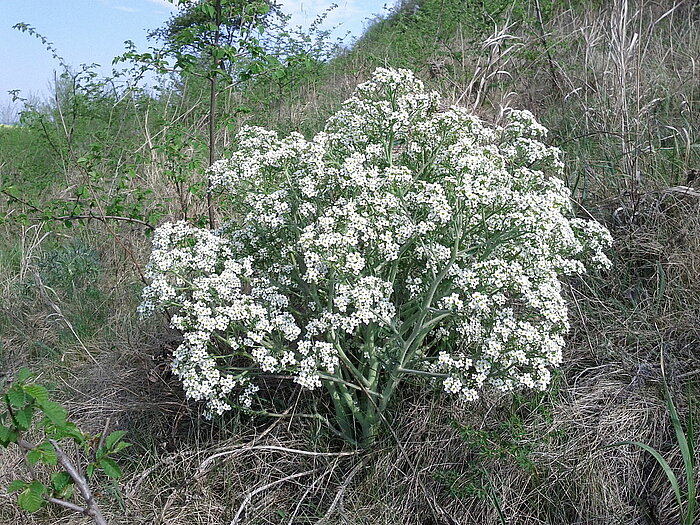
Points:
(402, 237)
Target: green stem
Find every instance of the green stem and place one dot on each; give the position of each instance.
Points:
(422, 373)
(347, 362)
(341, 415)
(422, 328)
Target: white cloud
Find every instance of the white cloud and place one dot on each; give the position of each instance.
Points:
(348, 15)
(125, 8)
(164, 3)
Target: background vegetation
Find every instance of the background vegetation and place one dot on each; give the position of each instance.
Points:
(86, 175)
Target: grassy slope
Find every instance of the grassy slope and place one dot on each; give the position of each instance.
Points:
(625, 111)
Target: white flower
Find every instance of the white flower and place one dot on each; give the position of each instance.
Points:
(399, 233)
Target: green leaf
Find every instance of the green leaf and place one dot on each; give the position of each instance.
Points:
(686, 447)
(7, 436)
(67, 492)
(38, 392)
(60, 480)
(121, 446)
(16, 398)
(113, 438)
(31, 498)
(208, 10)
(90, 470)
(72, 431)
(33, 456)
(66, 430)
(16, 485)
(48, 453)
(670, 475)
(23, 417)
(55, 413)
(111, 468)
(23, 375)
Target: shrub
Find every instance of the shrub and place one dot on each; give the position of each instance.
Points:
(20, 403)
(403, 240)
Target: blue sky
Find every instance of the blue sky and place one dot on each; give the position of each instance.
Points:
(93, 31)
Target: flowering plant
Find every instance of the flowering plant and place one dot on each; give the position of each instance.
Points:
(403, 240)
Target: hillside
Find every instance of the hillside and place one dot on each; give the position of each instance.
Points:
(85, 180)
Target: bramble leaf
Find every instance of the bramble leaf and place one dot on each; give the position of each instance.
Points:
(48, 454)
(23, 417)
(7, 436)
(54, 412)
(33, 456)
(16, 397)
(66, 430)
(67, 492)
(23, 375)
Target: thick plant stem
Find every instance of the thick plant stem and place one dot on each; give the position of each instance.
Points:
(341, 412)
(370, 423)
(371, 399)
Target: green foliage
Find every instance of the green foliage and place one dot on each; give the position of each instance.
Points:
(70, 273)
(28, 161)
(184, 153)
(31, 498)
(70, 266)
(413, 32)
(295, 60)
(508, 441)
(95, 132)
(205, 39)
(110, 468)
(85, 132)
(23, 401)
(80, 132)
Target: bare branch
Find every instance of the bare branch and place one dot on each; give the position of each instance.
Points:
(79, 479)
(91, 509)
(68, 505)
(105, 218)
